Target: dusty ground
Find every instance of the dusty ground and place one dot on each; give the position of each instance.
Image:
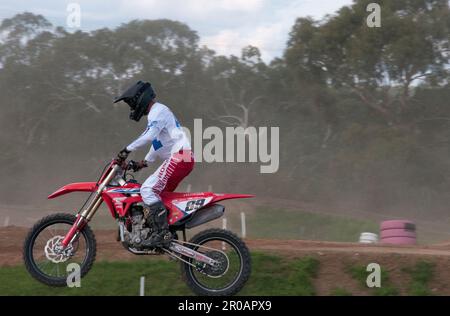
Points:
(334, 258)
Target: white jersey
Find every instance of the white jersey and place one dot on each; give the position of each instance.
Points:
(163, 132)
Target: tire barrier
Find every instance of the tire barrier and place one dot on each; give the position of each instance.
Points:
(398, 232)
(390, 233)
(368, 238)
(398, 224)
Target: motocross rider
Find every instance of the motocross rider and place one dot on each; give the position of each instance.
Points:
(168, 143)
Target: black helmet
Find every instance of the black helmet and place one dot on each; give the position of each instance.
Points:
(138, 97)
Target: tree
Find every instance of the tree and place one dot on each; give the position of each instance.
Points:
(241, 86)
(378, 65)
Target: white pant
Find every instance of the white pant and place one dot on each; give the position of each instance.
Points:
(165, 178)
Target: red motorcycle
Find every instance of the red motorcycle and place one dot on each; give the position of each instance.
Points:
(213, 262)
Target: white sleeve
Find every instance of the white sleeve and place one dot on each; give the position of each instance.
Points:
(150, 157)
(151, 132)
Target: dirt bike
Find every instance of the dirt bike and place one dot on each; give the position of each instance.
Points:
(213, 262)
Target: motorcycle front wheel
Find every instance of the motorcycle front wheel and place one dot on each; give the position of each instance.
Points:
(232, 272)
(43, 257)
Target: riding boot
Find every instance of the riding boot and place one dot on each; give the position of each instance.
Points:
(156, 215)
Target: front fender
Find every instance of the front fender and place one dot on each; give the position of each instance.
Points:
(74, 187)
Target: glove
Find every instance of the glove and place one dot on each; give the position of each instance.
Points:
(123, 155)
(136, 166)
(122, 164)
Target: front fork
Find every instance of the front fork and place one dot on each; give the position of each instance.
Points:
(88, 213)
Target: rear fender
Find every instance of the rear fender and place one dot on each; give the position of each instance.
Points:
(222, 197)
(74, 187)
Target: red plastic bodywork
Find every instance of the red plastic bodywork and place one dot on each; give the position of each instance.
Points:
(74, 187)
(176, 214)
(120, 199)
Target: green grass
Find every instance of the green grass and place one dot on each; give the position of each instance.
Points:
(105, 278)
(359, 273)
(271, 275)
(284, 224)
(421, 274)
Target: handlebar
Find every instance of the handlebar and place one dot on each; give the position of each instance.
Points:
(124, 165)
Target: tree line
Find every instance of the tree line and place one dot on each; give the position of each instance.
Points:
(363, 112)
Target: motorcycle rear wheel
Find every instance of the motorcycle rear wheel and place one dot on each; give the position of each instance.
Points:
(235, 251)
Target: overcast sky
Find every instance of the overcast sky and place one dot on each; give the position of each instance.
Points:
(223, 25)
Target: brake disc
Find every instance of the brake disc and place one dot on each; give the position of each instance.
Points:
(55, 252)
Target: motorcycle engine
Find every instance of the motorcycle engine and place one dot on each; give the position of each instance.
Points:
(139, 229)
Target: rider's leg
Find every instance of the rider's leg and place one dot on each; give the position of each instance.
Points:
(166, 178)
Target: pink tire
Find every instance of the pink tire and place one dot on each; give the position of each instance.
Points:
(398, 224)
(399, 241)
(389, 233)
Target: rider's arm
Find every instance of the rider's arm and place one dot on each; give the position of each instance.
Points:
(150, 133)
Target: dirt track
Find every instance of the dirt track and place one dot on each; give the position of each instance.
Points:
(11, 240)
(334, 257)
